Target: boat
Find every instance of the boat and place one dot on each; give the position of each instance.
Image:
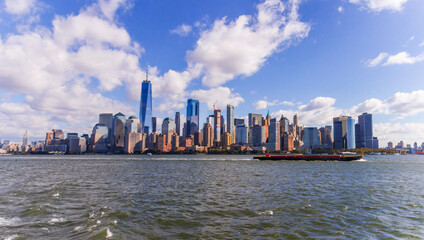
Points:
(419, 152)
(374, 153)
(300, 157)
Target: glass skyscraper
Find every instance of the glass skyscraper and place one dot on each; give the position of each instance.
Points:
(192, 116)
(350, 133)
(146, 106)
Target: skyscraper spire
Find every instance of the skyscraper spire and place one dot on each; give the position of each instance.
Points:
(147, 74)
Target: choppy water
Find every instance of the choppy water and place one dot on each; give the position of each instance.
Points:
(130, 197)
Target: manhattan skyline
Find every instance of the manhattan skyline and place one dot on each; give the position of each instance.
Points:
(62, 65)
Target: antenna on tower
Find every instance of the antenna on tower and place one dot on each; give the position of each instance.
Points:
(214, 104)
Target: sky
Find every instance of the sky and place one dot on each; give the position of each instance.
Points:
(64, 62)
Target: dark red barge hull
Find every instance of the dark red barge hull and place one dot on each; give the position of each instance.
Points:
(309, 158)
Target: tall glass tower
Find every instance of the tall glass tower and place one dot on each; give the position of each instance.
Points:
(192, 116)
(146, 105)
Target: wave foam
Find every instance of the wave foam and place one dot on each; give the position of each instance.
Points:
(56, 220)
(109, 234)
(9, 221)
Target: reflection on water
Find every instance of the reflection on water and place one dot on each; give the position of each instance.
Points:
(179, 197)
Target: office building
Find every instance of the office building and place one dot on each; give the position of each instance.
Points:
(254, 119)
(207, 135)
(146, 106)
(258, 135)
(192, 117)
(242, 133)
(238, 121)
(274, 139)
(178, 123)
(25, 139)
(350, 133)
(132, 124)
(217, 127)
(311, 138)
(154, 124)
(119, 130)
(230, 121)
(99, 138)
(364, 132)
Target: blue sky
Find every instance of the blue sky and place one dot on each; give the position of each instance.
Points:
(63, 64)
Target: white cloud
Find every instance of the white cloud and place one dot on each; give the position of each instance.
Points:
(262, 104)
(19, 7)
(109, 7)
(56, 69)
(340, 9)
(220, 96)
(378, 60)
(318, 104)
(240, 47)
(422, 44)
(182, 30)
(385, 59)
(380, 5)
(288, 103)
(403, 58)
(396, 132)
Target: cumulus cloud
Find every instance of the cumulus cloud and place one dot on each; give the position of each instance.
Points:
(340, 9)
(378, 60)
(317, 104)
(56, 69)
(240, 47)
(19, 7)
(109, 7)
(385, 59)
(220, 97)
(262, 104)
(403, 58)
(396, 132)
(380, 5)
(182, 30)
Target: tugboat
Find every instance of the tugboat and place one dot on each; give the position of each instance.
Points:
(301, 157)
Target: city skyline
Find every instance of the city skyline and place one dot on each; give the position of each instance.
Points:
(315, 65)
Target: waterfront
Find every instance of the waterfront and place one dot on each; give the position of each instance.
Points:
(227, 196)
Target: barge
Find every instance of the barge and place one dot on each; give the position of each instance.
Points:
(299, 157)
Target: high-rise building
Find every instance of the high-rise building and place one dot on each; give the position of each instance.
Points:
(295, 120)
(178, 123)
(274, 135)
(340, 130)
(168, 128)
(192, 116)
(230, 121)
(57, 134)
(99, 138)
(258, 135)
(242, 133)
(146, 105)
(350, 133)
(198, 138)
(254, 119)
(284, 124)
(311, 138)
(25, 140)
(107, 119)
(390, 145)
(118, 130)
(287, 142)
(226, 140)
(154, 124)
(168, 125)
(133, 142)
(364, 136)
(132, 124)
(217, 127)
(207, 135)
(238, 121)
